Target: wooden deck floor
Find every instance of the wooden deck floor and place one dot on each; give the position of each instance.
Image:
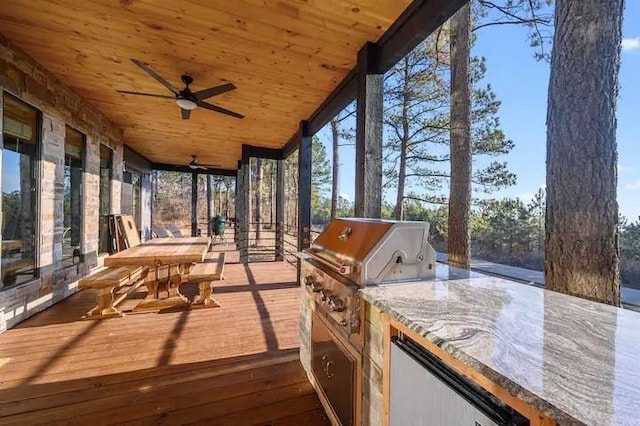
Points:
(234, 365)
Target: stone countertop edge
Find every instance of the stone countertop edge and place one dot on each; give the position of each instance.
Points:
(515, 389)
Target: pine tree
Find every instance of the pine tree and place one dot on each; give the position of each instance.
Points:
(459, 241)
(417, 119)
(581, 249)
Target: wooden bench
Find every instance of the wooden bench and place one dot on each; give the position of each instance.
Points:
(11, 267)
(205, 273)
(106, 282)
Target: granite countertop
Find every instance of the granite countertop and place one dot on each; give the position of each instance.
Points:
(575, 360)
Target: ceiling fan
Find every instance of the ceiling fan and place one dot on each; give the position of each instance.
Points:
(194, 164)
(185, 98)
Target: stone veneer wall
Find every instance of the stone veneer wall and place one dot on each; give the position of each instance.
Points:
(59, 105)
(305, 329)
(372, 361)
(372, 357)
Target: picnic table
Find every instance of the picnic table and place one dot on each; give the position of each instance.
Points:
(11, 245)
(177, 254)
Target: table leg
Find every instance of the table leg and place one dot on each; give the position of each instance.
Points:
(177, 279)
(105, 308)
(204, 298)
(151, 282)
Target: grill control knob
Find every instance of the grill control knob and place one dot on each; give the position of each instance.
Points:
(336, 304)
(326, 296)
(311, 282)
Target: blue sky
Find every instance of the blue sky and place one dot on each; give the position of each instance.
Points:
(520, 82)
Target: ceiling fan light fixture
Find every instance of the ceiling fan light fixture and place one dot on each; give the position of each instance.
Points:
(186, 104)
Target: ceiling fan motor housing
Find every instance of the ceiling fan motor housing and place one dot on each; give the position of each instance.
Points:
(186, 79)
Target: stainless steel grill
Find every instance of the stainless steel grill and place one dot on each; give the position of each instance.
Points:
(349, 254)
(371, 251)
(356, 252)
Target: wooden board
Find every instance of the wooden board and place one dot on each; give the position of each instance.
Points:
(161, 251)
(129, 230)
(211, 269)
(285, 57)
(11, 244)
(231, 365)
(111, 276)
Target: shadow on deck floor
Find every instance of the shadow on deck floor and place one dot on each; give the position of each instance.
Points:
(234, 365)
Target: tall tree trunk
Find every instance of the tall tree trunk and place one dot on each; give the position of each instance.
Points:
(404, 143)
(458, 241)
(210, 210)
(272, 186)
(219, 195)
(226, 198)
(258, 210)
(335, 188)
(581, 245)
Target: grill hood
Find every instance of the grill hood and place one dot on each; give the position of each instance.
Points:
(374, 251)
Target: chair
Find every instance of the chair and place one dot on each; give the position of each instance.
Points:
(128, 230)
(174, 230)
(159, 232)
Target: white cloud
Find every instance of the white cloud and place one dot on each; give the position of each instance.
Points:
(625, 169)
(345, 196)
(630, 43)
(634, 186)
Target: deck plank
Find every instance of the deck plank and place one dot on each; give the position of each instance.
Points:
(237, 364)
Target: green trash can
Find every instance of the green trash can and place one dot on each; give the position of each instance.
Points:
(218, 225)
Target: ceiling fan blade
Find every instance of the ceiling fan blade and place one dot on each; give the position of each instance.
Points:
(126, 92)
(186, 113)
(155, 76)
(213, 91)
(221, 110)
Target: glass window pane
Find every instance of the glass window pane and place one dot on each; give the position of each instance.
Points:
(18, 192)
(136, 183)
(172, 200)
(19, 120)
(73, 167)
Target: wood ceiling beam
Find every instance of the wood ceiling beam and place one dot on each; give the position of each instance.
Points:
(262, 152)
(417, 22)
(187, 169)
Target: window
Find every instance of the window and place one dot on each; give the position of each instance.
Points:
(131, 193)
(73, 166)
(106, 158)
(136, 182)
(19, 191)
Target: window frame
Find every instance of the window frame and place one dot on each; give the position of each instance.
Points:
(37, 181)
(83, 160)
(111, 156)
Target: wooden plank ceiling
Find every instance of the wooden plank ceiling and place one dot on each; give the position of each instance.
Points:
(285, 57)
